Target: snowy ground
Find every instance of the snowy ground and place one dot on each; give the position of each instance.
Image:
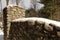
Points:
(1, 35)
(1, 32)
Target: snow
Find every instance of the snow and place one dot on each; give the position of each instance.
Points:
(1, 32)
(35, 19)
(40, 19)
(1, 35)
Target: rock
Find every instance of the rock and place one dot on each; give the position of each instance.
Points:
(58, 33)
(31, 22)
(48, 27)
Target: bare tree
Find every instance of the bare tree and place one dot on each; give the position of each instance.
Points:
(17, 1)
(7, 1)
(0, 6)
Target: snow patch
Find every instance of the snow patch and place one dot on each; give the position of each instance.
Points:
(1, 32)
(40, 19)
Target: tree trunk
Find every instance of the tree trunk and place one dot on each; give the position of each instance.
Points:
(7, 1)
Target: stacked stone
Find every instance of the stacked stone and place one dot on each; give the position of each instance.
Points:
(33, 30)
(10, 13)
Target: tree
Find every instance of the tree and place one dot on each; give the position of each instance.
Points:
(17, 1)
(7, 1)
(0, 5)
(49, 8)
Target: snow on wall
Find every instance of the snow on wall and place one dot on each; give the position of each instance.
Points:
(56, 23)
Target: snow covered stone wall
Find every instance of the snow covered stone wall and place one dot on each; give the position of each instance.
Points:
(10, 13)
(34, 29)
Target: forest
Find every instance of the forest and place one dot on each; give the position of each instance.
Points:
(36, 8)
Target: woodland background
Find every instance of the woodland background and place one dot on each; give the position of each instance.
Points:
(51, 9)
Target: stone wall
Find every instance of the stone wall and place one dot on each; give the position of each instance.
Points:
(23, 29)
(10, 13)
(33, 29)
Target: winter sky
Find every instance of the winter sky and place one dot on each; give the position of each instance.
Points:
(24, 3)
